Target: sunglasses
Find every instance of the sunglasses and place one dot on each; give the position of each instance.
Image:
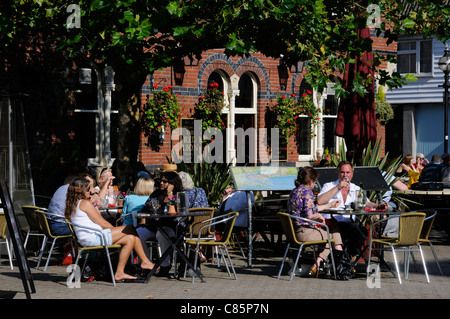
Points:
(164, 181)
(104, 169)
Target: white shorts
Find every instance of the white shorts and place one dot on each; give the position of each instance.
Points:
(98, 240)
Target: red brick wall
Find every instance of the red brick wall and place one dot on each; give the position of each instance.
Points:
(264, 69)
(266, 72)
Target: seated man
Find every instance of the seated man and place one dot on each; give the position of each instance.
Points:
(433, 172)
(236, 201)
(57, 206)
(347, 193)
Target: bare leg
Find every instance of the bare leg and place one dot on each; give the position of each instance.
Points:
(127, 237)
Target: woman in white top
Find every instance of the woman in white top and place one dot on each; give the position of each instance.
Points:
(81, 211)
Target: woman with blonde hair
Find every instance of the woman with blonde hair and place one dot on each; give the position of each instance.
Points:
(134, 202)
(82, 212)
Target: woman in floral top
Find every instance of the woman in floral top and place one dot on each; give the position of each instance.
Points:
(301, 203)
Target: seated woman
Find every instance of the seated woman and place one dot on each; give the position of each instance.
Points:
(169, 186)
(81, 211)
(134, 202)
(301, 203)
(407, 168)
(196, 196)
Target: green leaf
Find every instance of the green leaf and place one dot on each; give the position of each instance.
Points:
(410, 77)
(408, 23)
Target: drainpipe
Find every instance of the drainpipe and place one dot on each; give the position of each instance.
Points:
(109, 87)
(101, 115)
(232, 93)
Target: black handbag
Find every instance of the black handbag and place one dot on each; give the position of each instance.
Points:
(343, 264)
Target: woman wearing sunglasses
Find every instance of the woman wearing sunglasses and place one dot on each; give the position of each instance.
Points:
(170, 184)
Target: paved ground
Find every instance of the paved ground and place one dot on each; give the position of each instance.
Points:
(255, 285)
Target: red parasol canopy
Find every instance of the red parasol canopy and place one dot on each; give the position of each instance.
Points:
(356, 118)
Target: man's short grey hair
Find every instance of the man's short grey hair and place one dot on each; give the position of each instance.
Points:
(186, 180)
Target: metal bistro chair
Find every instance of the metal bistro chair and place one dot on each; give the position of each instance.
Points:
(88, 249)
(288, 229)
(33, 224)
(423, 239)
(195, 226)
(41, 217)
(4, 238)
(410, 227)
(228, 220)
(194, 229)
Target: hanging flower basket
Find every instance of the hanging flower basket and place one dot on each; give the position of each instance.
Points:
(209, 108)
(288, 110)
(160, 111)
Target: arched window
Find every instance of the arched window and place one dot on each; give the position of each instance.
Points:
(304, 141)
(220, 78)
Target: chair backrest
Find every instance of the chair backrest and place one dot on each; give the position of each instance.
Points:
(32, 220)
(229, 224)
(427, 225)
(410, 226)
(2, 225)
(74, 235)
(195, 226)
(288, 227)
(43, 223)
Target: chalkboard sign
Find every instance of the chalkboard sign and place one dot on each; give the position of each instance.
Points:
(14, 232)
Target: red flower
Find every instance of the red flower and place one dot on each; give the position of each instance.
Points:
(308, 91)
(155, 86)
(283, 96)
(292, 94)
(304, 95)
(289, 121)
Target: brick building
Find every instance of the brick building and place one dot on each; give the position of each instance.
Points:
(253, 84)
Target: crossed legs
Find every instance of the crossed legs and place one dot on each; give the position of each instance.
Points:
(128, 238)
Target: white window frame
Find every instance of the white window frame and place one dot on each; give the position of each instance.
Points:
(416, 51)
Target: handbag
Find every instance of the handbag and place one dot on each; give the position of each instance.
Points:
(343, 264)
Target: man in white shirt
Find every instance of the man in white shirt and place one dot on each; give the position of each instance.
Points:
(346, 192)
(343, 189)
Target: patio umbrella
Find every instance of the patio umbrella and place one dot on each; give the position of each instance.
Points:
(356, 119)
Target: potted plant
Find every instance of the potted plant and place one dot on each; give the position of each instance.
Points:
(209, 108)
(287, 110)
(161, 110)
(383, 109)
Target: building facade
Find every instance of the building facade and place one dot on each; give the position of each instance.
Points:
(251, 86)
(419, 106)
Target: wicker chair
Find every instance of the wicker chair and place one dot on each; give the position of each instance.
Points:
(288, 229)
(410, 228)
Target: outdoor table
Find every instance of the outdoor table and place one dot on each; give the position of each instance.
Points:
(110, 213)
(358, 213)
(184, 222)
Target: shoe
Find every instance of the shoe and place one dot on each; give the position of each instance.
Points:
(202, 257)
(314, 271)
